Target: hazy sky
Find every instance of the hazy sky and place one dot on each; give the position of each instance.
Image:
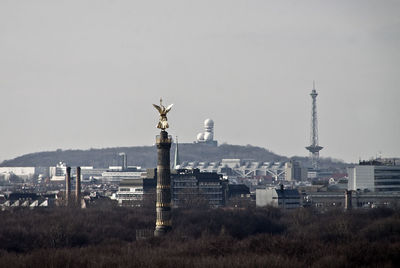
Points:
(83, 74)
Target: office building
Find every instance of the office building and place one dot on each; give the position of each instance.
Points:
(192, 187)
(283, 198)
(295, 172)
(374, 177)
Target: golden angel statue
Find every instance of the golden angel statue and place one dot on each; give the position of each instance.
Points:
(163, 123)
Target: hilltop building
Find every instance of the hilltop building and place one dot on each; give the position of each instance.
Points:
(207, 137)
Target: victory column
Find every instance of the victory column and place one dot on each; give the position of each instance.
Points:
(163, 203)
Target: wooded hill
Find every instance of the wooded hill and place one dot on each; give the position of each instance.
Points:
(146, 156)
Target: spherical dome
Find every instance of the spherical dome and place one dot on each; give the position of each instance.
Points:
(208, 136)
(208, 123)
(200, 137)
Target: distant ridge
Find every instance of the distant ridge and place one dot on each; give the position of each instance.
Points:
(145, 156)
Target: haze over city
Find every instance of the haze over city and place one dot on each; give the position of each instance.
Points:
(82, 74)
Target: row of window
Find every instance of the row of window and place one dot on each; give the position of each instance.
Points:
(387, 182)
(209, 183)
(387, 189)
(195, 190)
(129, 196)
(387, 177)
(185, 184)
(129, 189)
(209, 196)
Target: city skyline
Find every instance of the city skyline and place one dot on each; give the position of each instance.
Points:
(83, 74)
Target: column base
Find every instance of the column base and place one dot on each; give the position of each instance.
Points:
(161, 230)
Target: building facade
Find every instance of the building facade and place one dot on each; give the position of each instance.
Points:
(283, 198)
(26, 173)
(58, 172)
(295, 172)
(135, 191)
(190, 187)
(374, 178)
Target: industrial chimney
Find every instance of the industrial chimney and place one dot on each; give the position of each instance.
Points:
(68, 186)
(78, 186)
(348, 198)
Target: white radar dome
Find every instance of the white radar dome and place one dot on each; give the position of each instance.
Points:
(208, 136)
(209, 123)
(200, 137)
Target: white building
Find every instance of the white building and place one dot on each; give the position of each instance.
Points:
(130, 192)
(58, 172)
(25, 173)
(284, 198)
(239, 168)
(375, 178)
(114, 175)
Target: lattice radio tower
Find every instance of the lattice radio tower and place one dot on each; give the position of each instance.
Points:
(314, 147)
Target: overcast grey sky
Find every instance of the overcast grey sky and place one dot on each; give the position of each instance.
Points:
(83, 74)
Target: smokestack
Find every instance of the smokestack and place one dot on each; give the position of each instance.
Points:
(78, 186)
(68, 186)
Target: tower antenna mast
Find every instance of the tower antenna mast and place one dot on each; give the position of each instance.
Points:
(314, 147)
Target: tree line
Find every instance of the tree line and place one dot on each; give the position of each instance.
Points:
(105, 236)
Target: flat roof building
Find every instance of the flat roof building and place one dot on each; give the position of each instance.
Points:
(375, 178)
(190, 186)
(132, 192)
(283, 198)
